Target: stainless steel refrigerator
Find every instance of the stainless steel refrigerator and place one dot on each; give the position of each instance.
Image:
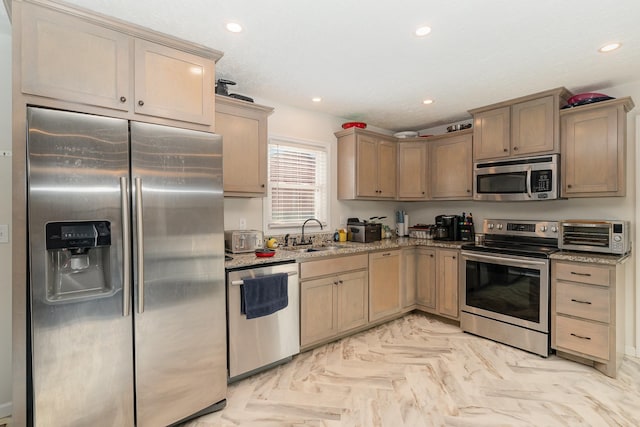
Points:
(126, 286)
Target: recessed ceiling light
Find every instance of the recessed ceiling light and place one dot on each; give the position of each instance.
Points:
(427, 101)
(234, 27)
(609, 47)
(423, 31)
(316, 99)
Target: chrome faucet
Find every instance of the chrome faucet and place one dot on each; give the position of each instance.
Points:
(302, 242)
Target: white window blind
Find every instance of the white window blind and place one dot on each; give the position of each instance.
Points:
(297, 183)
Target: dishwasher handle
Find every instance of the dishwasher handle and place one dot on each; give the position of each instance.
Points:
(241, 282)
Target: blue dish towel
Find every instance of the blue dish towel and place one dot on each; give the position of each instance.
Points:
(261, 296)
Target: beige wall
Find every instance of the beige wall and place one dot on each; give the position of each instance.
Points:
(5, 218)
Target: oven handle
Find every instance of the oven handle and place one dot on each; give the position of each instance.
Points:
(529, 193)
(502, 259)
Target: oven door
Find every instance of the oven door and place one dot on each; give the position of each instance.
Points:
(507, 288)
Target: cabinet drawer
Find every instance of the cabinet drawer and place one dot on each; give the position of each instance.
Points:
(333, 265)
(585, 273)
(589, 302)
(583, 337)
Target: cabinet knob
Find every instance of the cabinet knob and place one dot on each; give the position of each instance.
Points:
(431, 255)
(453, 257)
(569, 186)
(505, 150)
(141, 103)
(123, 99)
(340, 282)
(262, 185)
(515, 148)
(468, 191)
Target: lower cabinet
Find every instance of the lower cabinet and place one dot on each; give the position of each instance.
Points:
(333, 298)
(408, 277)
(587, 322)
(437, 281)
(384, 284)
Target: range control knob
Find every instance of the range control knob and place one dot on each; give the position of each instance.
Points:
(490, 226)
(554, 229)
(499, 226)
(543, 228)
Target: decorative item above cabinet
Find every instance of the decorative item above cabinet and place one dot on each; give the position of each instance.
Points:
(519, 127)
(243, 126)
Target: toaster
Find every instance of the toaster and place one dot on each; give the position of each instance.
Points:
(239, 241)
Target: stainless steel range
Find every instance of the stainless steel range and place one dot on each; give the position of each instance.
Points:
(505, 283)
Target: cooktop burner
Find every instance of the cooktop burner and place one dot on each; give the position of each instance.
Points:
(537, 239)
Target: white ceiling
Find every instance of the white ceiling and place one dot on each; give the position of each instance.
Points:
(363, 59)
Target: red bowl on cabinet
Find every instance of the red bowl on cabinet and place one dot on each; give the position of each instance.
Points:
(348, 125)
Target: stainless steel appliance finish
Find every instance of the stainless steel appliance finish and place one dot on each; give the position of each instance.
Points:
(240, 241)
(523, 179)
(505, 289)
(132, 332)
(363, 231)
(604, 236)
(255, 344)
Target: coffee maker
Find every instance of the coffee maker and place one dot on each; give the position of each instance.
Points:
(447, 227)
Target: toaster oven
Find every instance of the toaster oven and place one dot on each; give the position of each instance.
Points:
(240, 241)
(611, 237)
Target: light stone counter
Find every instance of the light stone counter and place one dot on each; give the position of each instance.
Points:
(591, 258)
(343, 248)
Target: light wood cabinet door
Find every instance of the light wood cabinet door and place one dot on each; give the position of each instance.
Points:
(173, 84)
(451, 168)
(73, 60)
(367, 166)
(532, 126)
(318, 310)
(412, 170)
(243, 127)
(384, 284)
(353, 300)
(408, 279)
(491, 133)
(593, 145)
(387, 169)
(448, 304)
(426, 277)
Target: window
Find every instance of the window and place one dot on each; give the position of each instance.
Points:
(297, 183)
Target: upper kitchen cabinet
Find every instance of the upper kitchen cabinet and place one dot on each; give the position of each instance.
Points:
(366, 165)
(243, 126)
(451, 166)
(594, 148)
(412, 170)
(173, 84)
(73, 59)
(520, 127)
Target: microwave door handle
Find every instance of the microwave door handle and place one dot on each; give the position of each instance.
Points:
(529, 193)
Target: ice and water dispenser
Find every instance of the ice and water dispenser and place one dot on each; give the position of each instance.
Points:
(78, 260)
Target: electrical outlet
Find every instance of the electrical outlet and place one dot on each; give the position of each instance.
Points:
(5, 153)
(243, 223)
(4, 233)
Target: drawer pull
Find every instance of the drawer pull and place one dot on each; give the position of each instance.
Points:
(581, 337)
(581, 274)
(387, 254)
(580, 302)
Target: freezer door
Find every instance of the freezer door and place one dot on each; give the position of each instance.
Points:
(81, 340)
(179, 295)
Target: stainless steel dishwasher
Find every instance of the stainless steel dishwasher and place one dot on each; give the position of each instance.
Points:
(257, 344)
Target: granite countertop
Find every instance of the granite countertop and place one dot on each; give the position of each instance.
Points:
(343, 248)
(589, 257)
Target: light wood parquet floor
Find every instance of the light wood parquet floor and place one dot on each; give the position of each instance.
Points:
(419, 371)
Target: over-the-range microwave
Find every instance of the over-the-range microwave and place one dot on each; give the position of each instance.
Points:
(523, 179)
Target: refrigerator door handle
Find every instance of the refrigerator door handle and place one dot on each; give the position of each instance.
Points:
(140, 243)
(126, 249)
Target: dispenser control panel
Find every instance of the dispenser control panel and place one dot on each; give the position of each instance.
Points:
(82, 234)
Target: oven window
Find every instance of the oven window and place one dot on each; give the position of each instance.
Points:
(502, 183)
(508, 290)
